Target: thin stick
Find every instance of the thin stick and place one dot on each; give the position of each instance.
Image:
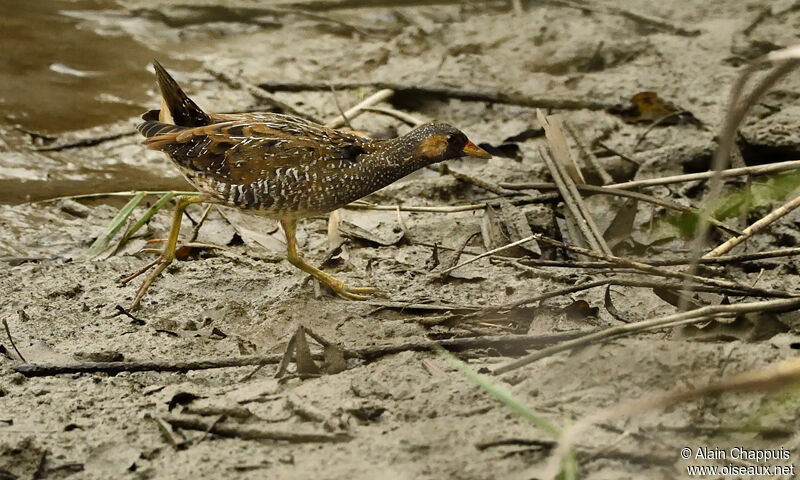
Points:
(517, 342)
(257, 93)
(128, 193)
(416, 90)
(784, 61)
(616, 282)
(8, 334)
(776, 377)
(731, 172)
(478, 182)
(566, 174)
(574, 203)
(339, 108)
(619, 154)
(700, 314)
(625, 193)
(652, 22)
(86, 142)
(358, 109)
(252, 432)
(722, 260)
(755, 228)
(400, 115)
(644, 267)
(653, 125)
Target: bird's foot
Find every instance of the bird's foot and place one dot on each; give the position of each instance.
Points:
(147, 267)
(162, 265)
(351, 293)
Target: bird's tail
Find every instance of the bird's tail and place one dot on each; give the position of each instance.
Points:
(176, 107)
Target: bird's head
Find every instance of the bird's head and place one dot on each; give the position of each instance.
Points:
(435, 142)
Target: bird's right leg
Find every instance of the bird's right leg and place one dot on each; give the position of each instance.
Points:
(339, 287)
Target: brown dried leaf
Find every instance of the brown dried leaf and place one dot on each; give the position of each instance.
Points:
(648, 107)
(610, 308)
(255, 230)
(352, 230)
(516, 224)
(491, 231)
(305, 363)
(621, 227)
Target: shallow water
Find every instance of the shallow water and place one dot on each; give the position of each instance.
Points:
(62, 73)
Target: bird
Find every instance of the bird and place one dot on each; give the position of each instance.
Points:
(281, 166)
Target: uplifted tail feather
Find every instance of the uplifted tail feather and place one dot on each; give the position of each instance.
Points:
(176, 106)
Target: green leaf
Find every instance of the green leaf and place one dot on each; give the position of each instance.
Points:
(102, 242)
(503, 396)
(161, 203)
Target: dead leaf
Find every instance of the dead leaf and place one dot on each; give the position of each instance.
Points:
(648, 107)
(622, 225)
(611, 309)
(554, 131)
(678, 299)
(352, 230)
(580, 310)
(334, 359)
(516, 224)
(305, 363)
(491, 231)
(750, 327)
(449, 258)
(335, 239)
(254, 230)
(507, 224)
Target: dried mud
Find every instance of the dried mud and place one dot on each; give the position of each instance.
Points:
(408, 415)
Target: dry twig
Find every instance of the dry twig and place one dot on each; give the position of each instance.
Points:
(257, 93)
(675, 319)
(358, 109)
(690, 177)
(652, 22)
(510, 342)
(772, 378)
(252, 432)
(416, 90)
(755, 228)
(11, 340)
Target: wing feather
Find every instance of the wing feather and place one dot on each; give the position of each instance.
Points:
(241, 149)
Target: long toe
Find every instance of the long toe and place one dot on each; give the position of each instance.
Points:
(354, 293)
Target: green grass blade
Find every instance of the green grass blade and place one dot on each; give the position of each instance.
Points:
(161, 203)
(503, 396)
(104, 240)
(128, 193)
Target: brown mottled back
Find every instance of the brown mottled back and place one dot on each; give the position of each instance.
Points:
(281, 164)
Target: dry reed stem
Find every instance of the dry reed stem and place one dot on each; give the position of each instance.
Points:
(783, 61)
(675, 319)
(772, 378)
(755, 228)
(358, 109)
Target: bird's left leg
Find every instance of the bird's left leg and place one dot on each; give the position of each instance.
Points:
(168, 255)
